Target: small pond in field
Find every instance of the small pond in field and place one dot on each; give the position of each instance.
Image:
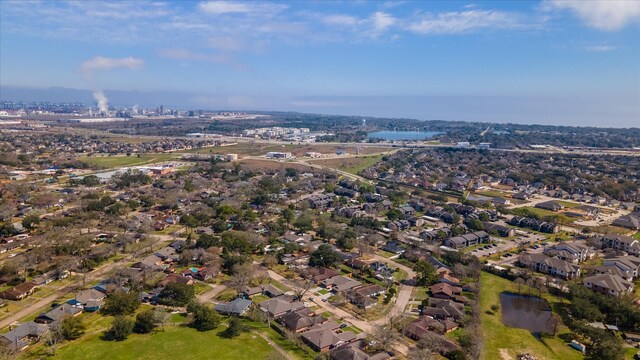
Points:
(525, 312)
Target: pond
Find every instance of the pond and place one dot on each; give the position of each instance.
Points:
(525, 312)
(403, 135)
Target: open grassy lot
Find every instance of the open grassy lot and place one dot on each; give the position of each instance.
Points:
(542, 213)
(111, 162)
(178, 342)
(500, 339)
(353, 165)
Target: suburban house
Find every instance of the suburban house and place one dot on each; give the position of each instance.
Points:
(353, 352)
(607, 284)
(23, 335)
(322, 337)
(57, 313)
(364, 296)
(622, 243)
(279, 306)
(323, 273)
(237, 307)
(19, 292)
(443, 309)
(339, 283)
(301, 320)
(90, 299)
(466, 240)
(419, 327)
(446, 291)
(631, 221)
(502, 230)
(550, 205)
(394, 247)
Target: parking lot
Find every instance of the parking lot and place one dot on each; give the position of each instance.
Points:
(530, 242)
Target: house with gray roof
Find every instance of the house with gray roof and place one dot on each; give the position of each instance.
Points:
(23, 335)
(238, 307)
(607, 284)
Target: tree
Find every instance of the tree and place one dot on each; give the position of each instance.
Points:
(72, 328)
(324, 256)
(176, 294)
(304, 222)
(30, 221)
(385, 337)
(426, 273)
(146, 321)
(475, 224)
(269, 261)
(242, 275)
(234, 329)
(120, 329)
(121, 303)
(519, 282)
(204, 317)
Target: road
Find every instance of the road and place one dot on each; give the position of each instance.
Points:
(94, 275)
(215, 290)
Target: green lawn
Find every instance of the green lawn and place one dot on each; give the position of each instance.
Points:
(498, 336)
(543, 212)
(110, 162)
(637, 236)
(178, 342)
(353, 165)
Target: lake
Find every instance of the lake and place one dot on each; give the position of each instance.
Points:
(525, 312)
(403, 135)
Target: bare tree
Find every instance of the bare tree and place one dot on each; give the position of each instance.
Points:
(385, 336)
(269, 261)
(242, 275)
(519, 282)
(163, 316)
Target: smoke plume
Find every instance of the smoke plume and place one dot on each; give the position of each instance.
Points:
(102, 101)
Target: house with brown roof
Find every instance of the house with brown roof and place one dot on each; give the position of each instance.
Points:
(340, 283)
(322, 337)
(279, 306)
(301, 320)
(352, 351)
(19, 292)
(445, 291)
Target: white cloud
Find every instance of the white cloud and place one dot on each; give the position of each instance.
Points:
(600, 48)
(463, 21)
(339, 19)
(382, 21)
(100, 63)
(224, 7)
(608, 15)
(234, 7)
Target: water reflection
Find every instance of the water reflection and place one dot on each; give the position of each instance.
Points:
(525, 312)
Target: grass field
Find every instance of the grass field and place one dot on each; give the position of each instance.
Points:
(353, 165)
(542, 213)
(111, 162)
(637, 236)
(499, 338)
(178, 342)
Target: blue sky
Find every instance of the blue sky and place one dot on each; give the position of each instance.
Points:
(569, 62)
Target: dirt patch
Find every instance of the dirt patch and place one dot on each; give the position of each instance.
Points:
(504, 353)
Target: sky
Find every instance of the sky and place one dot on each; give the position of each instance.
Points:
(546, 62)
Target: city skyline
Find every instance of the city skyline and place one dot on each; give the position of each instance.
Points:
(545, 62)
